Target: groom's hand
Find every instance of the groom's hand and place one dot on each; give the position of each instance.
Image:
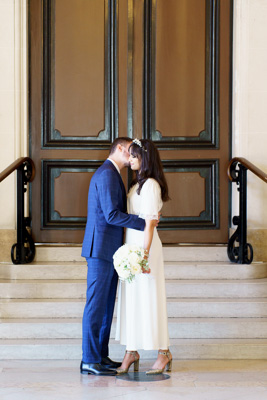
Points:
(155, 222)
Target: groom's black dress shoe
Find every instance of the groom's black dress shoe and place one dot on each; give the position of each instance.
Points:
(108, 363)
(95, 369)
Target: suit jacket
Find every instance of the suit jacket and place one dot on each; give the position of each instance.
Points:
(106, 214)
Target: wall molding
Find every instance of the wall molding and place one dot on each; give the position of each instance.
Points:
(21, 78)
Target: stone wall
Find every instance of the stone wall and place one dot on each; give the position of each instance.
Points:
(249, 111)
(13, 110)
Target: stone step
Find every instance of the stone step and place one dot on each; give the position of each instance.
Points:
(176, 308)
(44, 270)
(179, 328)
(217, 288)
(170, 253)
(38, 289)
(173, 270)
(182, 349)
(214, 271)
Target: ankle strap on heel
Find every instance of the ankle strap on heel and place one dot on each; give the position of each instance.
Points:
(165, 353)
(133, 353)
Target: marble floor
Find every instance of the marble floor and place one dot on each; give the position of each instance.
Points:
(190, 380)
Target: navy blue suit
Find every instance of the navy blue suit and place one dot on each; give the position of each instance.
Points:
(106, 217)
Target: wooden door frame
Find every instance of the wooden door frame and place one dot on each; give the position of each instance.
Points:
(167, 147)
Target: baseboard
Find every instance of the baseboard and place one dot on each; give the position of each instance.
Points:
(170, 253)
(258, 239)
(69, 252)
(7, 238)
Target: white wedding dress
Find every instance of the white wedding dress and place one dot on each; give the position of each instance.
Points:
(142, 314)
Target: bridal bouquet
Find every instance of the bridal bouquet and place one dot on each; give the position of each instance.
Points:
(129, 261)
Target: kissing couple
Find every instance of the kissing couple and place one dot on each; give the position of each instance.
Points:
(142, 313)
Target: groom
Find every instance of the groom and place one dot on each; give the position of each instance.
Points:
(106, 217)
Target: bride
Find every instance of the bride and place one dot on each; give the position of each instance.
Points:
(142, 314)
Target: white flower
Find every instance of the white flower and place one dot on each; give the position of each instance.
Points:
(134, 259)
(122, 252)
(134, 248)
(124, 273)
(128, 261)
(136, 269)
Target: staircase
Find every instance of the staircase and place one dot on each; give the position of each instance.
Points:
(217, 310)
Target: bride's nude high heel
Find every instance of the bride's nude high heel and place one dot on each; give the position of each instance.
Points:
(168, 365)
(135, 362)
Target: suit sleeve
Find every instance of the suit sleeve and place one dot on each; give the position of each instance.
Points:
(109, 192)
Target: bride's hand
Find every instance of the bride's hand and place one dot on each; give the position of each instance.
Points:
(145, 271)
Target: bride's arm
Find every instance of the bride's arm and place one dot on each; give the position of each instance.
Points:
(149, 231)
(148, 236)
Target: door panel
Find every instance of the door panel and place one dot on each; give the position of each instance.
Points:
(65, 181)
(73, 109)
(154, 69)
(79, 64)
(79, 90)
(180, 67)
(186, 111)
(184, 70)
(194, 203)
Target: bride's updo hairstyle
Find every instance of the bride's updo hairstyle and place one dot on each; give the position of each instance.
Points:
(151, 166)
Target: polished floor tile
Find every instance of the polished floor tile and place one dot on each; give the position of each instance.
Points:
(190, 380)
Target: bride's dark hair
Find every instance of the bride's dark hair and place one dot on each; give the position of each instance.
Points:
(151, 166)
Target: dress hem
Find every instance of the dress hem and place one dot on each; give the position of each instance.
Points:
(135, 348)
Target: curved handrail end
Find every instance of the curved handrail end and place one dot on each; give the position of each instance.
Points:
(15, 165)
(247, 164)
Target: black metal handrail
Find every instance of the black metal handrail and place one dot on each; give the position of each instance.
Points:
(24, 250)
(237, 173)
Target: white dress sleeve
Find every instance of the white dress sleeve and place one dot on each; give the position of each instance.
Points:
(151, 202)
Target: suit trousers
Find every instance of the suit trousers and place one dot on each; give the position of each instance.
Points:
(102, 282)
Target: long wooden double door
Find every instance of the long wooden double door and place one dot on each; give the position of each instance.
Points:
(157, 69)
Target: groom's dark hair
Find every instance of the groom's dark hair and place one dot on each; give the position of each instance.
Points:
(122, 141)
